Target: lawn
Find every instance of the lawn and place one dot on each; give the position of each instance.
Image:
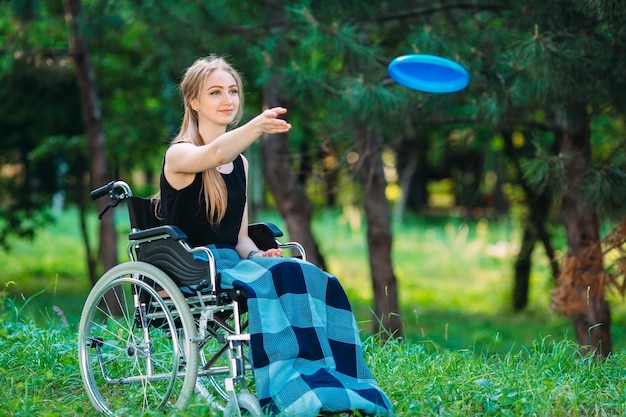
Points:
(454, 279)
(464, 351)
(39, 370)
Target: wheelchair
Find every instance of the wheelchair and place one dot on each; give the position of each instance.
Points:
(158, 330)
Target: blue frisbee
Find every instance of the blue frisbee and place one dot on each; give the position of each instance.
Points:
(428, 73)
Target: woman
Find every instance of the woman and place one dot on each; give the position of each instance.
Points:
(305, 344)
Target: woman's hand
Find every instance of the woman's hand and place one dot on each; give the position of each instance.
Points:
(268, 121)
(270, 253)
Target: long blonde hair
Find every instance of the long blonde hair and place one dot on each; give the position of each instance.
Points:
(213, 187)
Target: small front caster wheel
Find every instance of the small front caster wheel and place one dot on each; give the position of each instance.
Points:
(248, 406)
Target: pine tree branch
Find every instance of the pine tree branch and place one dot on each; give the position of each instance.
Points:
(472, 120)
(438, 8)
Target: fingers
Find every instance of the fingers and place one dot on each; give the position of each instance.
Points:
(275, 111)
(271, 123)
(272, 253)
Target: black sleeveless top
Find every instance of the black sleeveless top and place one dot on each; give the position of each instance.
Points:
(186, 208)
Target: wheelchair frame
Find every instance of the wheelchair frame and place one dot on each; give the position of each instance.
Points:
(145, 342)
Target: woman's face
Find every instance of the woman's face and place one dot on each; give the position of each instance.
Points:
(218, 100)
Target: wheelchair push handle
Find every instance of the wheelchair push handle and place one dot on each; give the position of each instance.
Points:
(117, 191)
(101, 191)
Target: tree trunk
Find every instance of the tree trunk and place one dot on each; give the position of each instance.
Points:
(580, 291)
(498, 200)
(291, 199)
(255, 187)
(523, 265)
(92, 260)
(331, 177)
(408, 172)
(538, 211)
(412, 169)
(379, 236)
(91, 116)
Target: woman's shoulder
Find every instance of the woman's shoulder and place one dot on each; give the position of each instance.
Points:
(177, 148)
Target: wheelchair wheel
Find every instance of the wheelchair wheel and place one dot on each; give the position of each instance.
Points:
(136, 342)
(247, 405)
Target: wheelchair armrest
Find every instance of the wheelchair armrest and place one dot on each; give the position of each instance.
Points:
(264, 235)
(173, 232)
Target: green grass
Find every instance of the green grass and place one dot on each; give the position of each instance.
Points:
(455, 282)
(39, 370)
(454, 278)
(465, 353)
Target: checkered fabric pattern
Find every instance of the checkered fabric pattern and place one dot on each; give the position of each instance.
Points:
(305, 344)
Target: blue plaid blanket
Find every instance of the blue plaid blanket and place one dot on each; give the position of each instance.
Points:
(305, 344)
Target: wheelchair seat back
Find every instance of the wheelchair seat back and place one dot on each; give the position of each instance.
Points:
(142, 214)
(163, 246)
